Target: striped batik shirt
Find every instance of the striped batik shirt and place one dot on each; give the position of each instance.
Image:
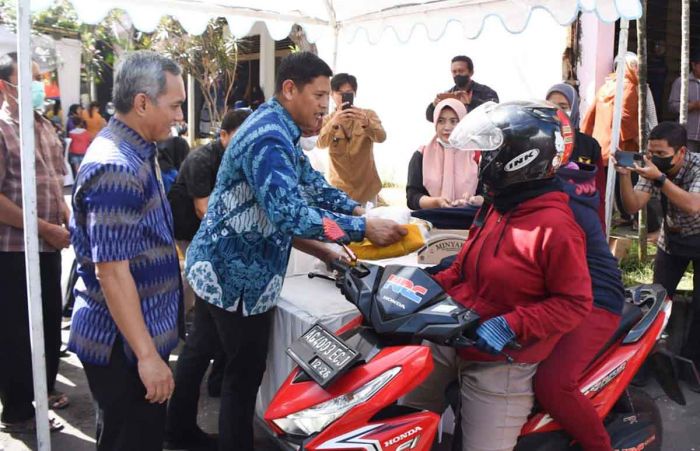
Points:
(120, 213)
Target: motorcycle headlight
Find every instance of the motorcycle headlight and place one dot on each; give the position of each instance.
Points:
(316, 418)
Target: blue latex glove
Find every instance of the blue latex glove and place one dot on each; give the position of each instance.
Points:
(493, 335)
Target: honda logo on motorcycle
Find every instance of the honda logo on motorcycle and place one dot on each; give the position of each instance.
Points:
(406, 288)
(401, 437)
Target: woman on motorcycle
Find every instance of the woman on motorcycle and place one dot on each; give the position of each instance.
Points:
(557, 379)
(523, 269)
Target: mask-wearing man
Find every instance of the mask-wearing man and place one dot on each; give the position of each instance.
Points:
(16, 391)
(465, 89)
(673, 172)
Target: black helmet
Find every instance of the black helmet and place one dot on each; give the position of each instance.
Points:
(521, 141)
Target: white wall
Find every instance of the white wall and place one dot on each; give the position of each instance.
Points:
(399, 80)
(69, 52)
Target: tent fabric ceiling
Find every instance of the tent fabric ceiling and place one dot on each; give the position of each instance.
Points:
(372, 17)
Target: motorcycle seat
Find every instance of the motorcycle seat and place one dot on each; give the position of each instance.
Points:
(631, 315)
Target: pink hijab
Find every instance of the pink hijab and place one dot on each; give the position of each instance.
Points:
(449, 172)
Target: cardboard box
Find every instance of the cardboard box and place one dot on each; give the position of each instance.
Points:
(440, 246)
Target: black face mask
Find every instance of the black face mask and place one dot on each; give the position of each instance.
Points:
(664, 164)
(461, 80)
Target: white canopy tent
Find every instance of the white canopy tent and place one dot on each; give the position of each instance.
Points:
(339, 22)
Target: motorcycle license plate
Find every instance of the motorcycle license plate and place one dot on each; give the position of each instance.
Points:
(322, 355)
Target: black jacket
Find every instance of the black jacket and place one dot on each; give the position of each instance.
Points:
(480, 94)
(196, 179)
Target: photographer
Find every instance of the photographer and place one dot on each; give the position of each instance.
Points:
(674, 172)
(349, 134)
(466, 90)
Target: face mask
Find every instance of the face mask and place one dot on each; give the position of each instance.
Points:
(109, 109)
(461, 80)
(308, 143)
(38, 95)
(664, 164)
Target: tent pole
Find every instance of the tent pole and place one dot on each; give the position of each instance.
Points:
(642, 108)
(191, 126)
(617, 119)
(685, 57)
(336, 31)
(29, 213)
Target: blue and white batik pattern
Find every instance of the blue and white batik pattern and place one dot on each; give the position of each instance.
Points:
(266, 193)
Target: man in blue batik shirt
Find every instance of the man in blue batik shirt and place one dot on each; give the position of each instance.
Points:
(126, 306)
(266, 196)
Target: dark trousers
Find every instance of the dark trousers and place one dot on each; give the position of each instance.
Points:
(201, 346)
(668, 271)
(16, 386)
(244, 340)
(125, 419)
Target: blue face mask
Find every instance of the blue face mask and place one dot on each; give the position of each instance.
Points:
(38, 95)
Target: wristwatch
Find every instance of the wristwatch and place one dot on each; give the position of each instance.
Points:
(660, 181)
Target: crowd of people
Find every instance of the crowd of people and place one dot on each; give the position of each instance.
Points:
(536, 265)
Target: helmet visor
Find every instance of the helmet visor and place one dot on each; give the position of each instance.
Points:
(476, 131)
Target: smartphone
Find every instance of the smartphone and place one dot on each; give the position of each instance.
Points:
(347, 99)
(628, 159)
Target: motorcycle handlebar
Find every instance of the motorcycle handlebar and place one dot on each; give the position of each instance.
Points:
(339, 265)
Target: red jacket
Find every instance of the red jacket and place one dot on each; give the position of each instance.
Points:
(528, 265)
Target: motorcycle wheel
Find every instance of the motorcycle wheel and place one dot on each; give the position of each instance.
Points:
(637, 402)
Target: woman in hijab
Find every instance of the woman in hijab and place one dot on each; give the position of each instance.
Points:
(586, 148)
(440, 175)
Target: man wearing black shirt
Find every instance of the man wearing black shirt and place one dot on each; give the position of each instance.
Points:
(466, 90)
(188, 198)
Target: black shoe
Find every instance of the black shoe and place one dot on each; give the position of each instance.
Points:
(197, 440)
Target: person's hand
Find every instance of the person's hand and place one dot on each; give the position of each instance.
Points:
(649, 171)
(358, 211)
(438, 99)
(441, 202)
(493, 335)
(157, 377)
(383, 232)
(620, 169)
(464, 96)
(476, 201)
(349, 115)
(65, 213)
(340, 117)
(331, 255)
(57, 236)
